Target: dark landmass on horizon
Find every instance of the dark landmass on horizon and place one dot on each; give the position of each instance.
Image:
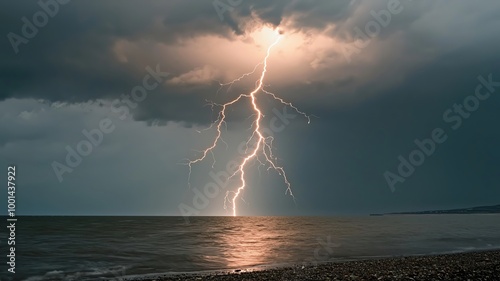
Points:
(495, 209)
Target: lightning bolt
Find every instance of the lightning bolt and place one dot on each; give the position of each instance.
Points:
(262, 146)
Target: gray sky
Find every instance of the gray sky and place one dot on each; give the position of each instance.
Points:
(374, 95)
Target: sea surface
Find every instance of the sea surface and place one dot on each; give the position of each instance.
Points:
(117, 248)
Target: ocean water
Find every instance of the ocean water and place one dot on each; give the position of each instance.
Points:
(98, 248)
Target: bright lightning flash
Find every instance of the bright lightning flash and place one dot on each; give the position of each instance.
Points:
(263, 144)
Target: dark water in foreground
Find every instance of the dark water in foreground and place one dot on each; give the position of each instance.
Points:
(91, 248)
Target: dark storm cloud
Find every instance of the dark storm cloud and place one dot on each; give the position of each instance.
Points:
(430, 46)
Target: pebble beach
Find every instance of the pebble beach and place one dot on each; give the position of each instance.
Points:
(462, 266)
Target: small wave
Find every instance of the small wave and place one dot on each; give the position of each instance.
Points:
(46, 276)
(459, 250)
(111, 273)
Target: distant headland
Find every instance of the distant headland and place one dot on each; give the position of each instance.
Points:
(474, 210)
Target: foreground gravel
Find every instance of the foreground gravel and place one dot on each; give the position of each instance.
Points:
(465, 266)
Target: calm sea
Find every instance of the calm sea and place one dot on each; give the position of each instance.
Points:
(97, 248)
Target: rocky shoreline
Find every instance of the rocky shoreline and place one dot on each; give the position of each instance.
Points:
(464, 266)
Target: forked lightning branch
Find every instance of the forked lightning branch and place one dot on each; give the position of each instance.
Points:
(260, 147)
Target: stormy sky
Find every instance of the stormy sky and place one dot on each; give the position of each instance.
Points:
(403, 95)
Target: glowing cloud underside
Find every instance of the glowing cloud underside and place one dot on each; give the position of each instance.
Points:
(263, 145)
